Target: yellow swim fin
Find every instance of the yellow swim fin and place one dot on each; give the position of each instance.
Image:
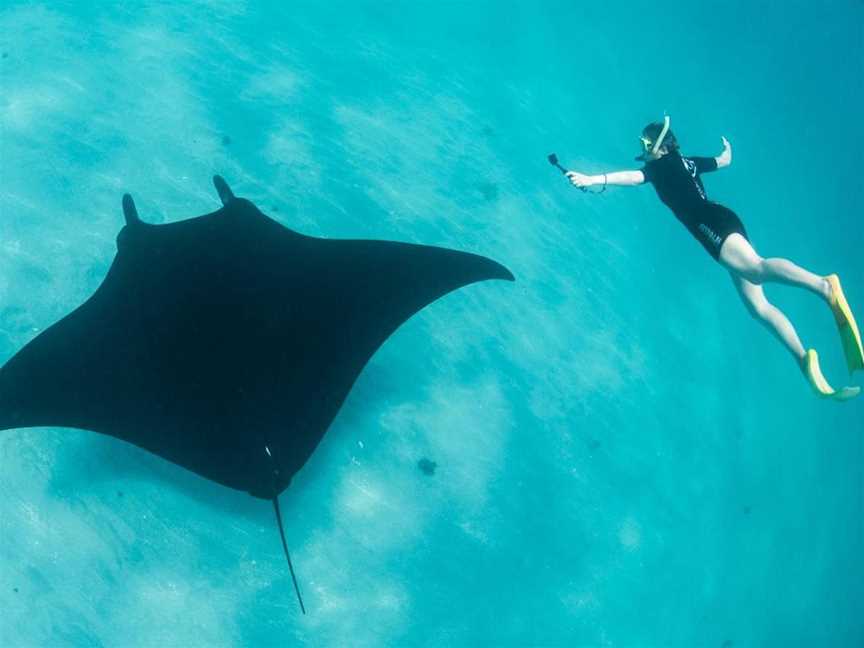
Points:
(818, 382)
(849, 334)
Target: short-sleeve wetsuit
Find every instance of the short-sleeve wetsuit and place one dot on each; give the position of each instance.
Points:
(677, 182)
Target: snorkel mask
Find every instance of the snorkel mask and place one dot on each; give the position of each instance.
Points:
(652, 147)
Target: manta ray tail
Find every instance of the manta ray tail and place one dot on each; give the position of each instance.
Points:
(285, 547)
(275, 491)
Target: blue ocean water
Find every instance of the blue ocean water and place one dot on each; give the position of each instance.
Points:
(624, 457)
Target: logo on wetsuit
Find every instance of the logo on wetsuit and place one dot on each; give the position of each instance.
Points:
(690, 165)
(709, 233)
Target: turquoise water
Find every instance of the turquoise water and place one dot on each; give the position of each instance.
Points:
(624, 457)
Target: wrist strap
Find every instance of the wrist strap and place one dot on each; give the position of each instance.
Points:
(605, 181)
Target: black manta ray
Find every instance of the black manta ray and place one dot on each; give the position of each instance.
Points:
(226, 343)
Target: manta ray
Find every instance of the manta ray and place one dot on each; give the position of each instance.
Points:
(227, 343)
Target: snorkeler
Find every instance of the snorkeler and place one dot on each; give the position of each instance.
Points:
(677, 180)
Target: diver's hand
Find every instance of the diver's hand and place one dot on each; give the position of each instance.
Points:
(725, 158)
(580, 179)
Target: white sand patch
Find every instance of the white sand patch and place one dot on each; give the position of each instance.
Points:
(462, 428)
(630, 534)
(277, 84)
(190, 612)
(23, 109)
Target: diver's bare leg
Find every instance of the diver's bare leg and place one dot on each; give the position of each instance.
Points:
(739, 257)
(769, 315)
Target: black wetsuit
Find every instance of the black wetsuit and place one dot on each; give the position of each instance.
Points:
(677, 182)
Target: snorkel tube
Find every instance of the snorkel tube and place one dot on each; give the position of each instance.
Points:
(666, 121)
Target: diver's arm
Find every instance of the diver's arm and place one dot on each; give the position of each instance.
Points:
(623, 178)
(725, 158)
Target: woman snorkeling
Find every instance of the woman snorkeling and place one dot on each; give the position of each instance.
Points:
(677, 180)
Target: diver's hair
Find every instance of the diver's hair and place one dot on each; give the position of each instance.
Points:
(652, 131)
